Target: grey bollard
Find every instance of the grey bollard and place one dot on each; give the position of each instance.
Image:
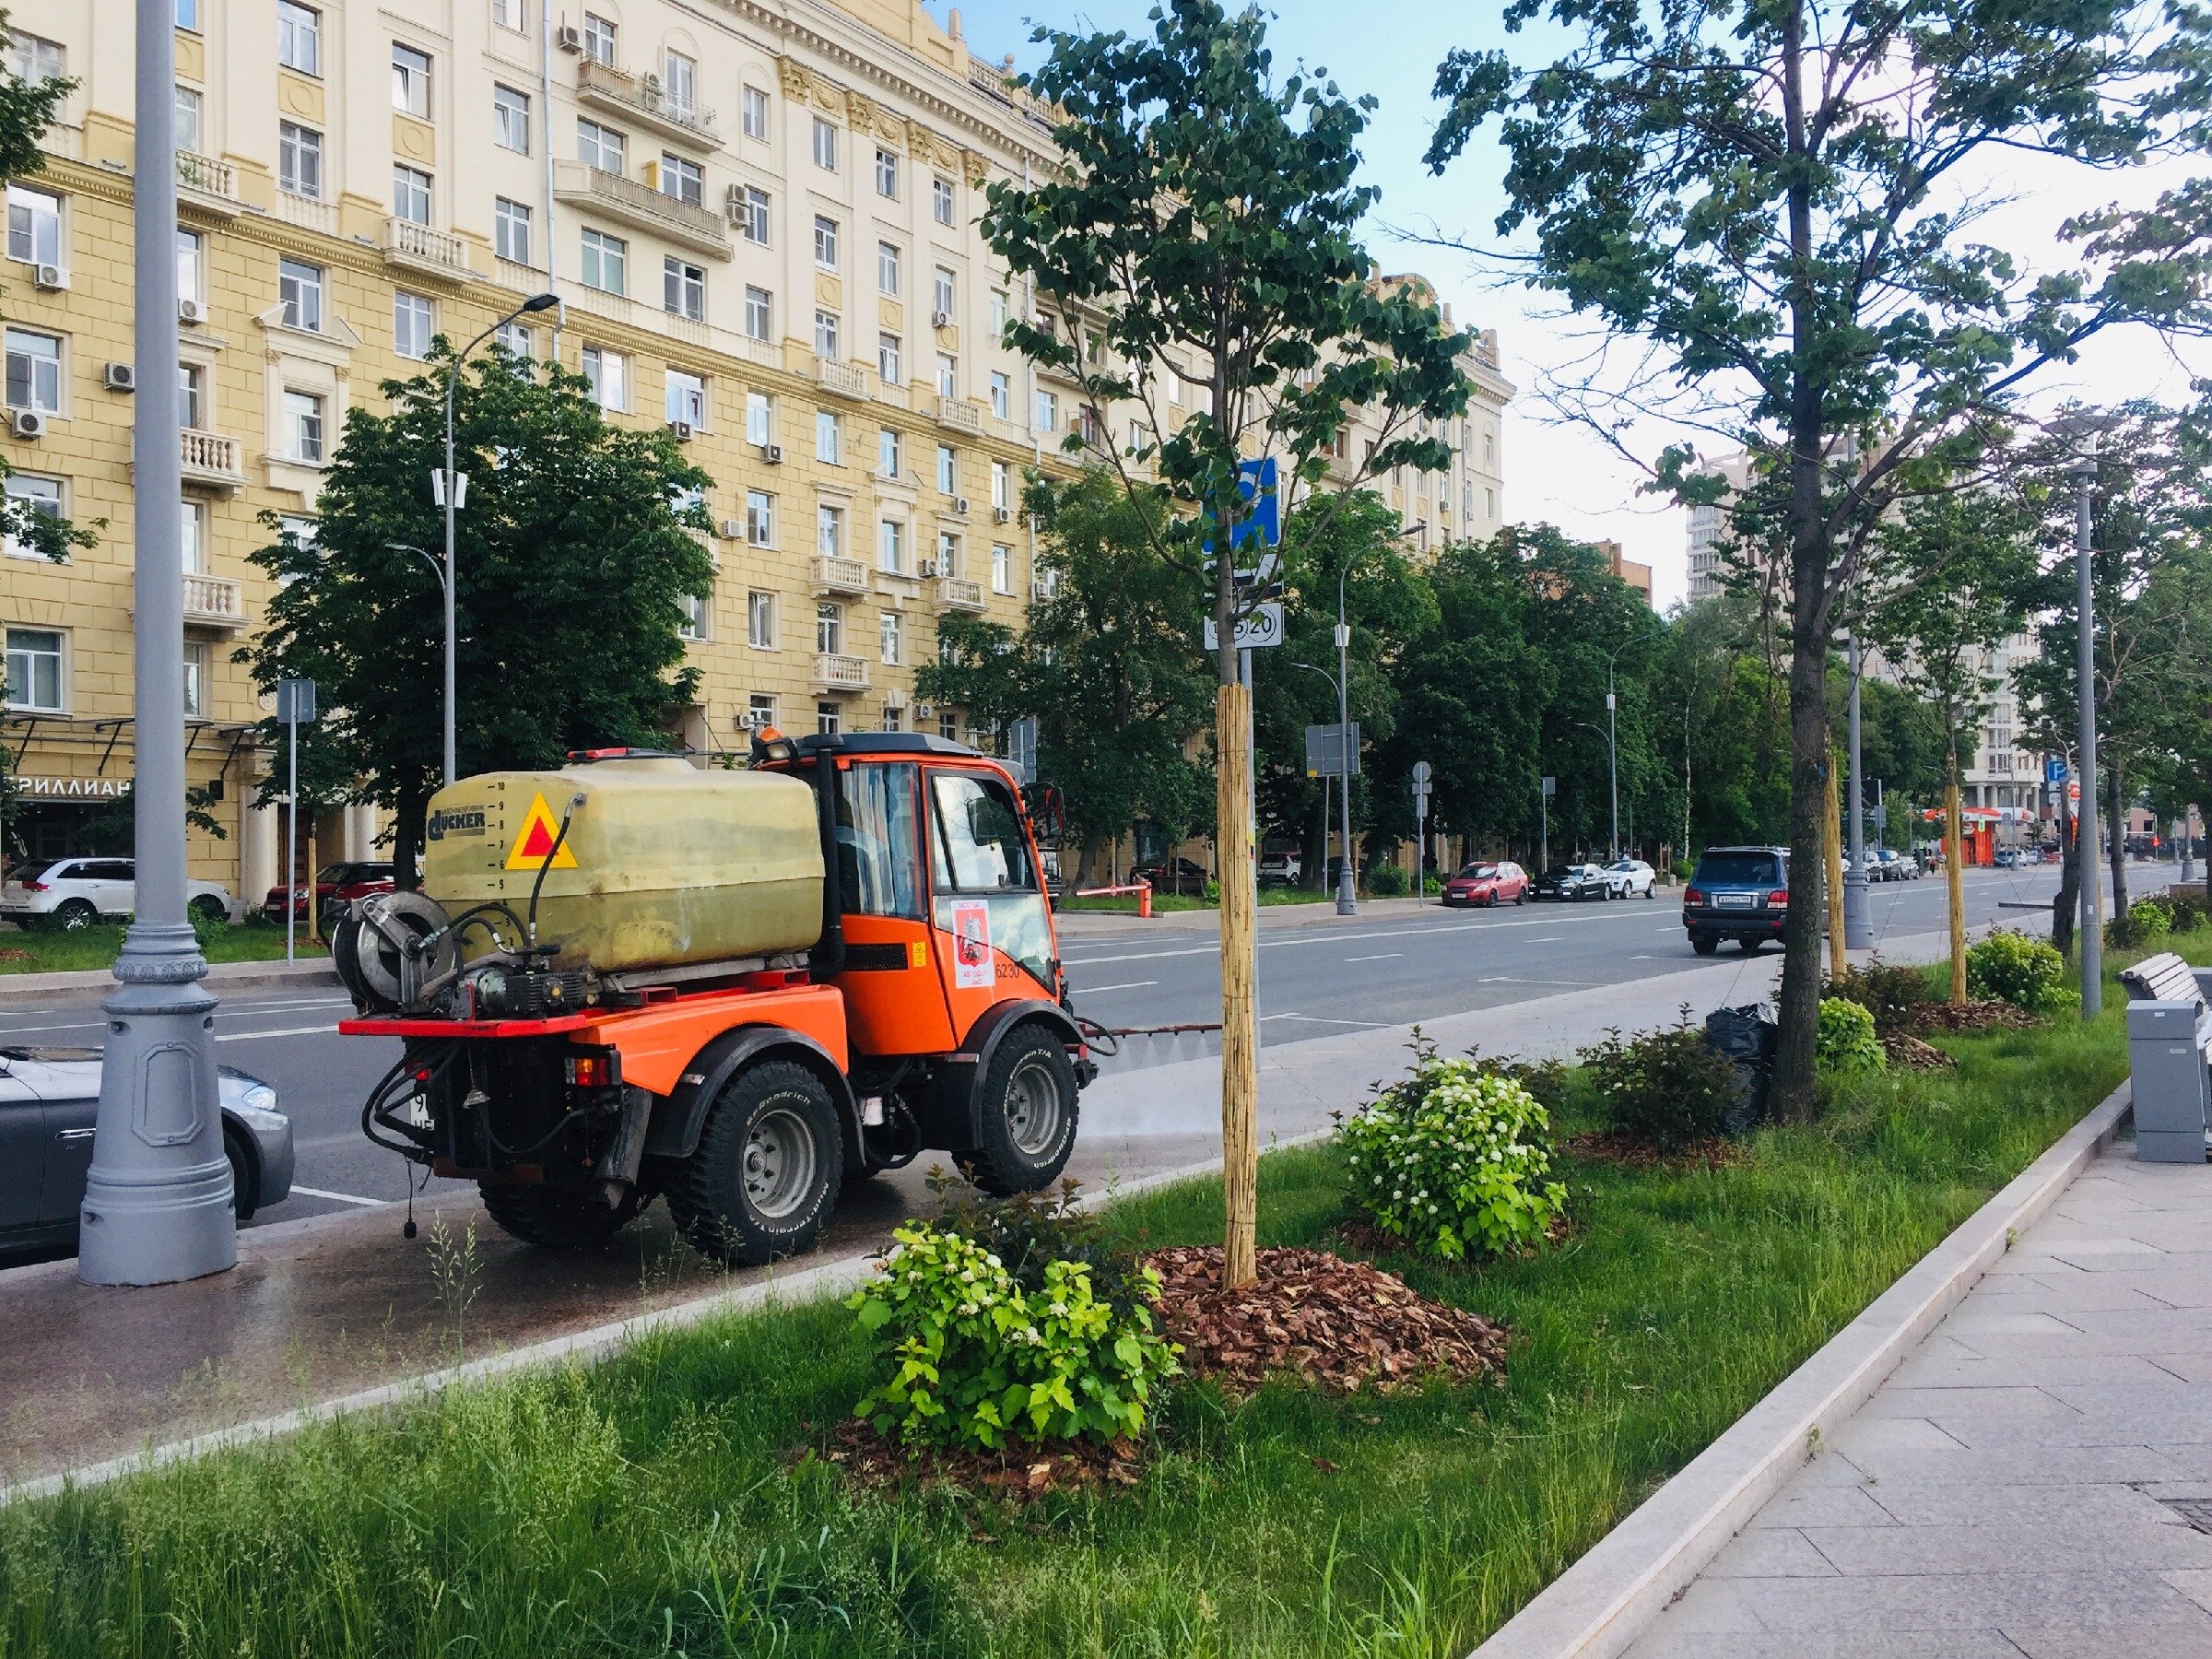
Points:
(2172, 1085)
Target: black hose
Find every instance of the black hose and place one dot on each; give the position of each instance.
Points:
(546, 863)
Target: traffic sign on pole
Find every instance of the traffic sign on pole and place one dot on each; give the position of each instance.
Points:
(1328, 753)
(1257, 629)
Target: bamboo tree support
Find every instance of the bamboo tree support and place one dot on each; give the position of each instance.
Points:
(1953, 879)
(1832, 838)
(1239, 1024)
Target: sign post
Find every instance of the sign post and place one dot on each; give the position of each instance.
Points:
(1420, 826)
(295, 707)
(1551, 788)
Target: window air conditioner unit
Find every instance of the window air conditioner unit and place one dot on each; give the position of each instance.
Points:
(27, 423)
(940, 319)
(191, 311)
(734, 203)
(681, 430)
(51, 276)
(122, 377)
(733, 529)
(772, 454)
(929, 569)
(1002, 515)
(926, 710)
(959, 505)
(570, 38)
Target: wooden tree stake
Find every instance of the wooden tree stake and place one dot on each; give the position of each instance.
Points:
(1954, 877)
(1831, 837)
(1239, 1024)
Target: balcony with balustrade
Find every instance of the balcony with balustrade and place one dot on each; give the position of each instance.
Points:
(212, 460)
(217, 602)
(841, 379)
(427, 253)
(208, 183)
(832, 574)
(958, 594)
(961, 416)
(611, 195)
(836, 671)
(645, 99)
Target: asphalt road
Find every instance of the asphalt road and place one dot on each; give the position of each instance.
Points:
(1315, 975)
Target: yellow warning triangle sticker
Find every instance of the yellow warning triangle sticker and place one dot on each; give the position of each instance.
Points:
(540, 829)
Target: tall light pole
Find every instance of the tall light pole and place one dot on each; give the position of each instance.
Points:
(444, 572)
(1348, 903)
(1612, 741)
(450, 486)
(158, 1199)
(1858, 912)
(1344, 899)
(2084, 474)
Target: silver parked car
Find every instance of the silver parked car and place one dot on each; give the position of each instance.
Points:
(48, 1100)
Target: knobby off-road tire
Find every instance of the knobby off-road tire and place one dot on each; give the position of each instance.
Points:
(1029, 1113)
(553, 1220)
(767, 1169)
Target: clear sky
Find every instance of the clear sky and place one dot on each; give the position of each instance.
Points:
(1554, 471)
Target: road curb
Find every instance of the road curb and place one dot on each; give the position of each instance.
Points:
(815, 1283)
(221, 976)
(1609, 1597)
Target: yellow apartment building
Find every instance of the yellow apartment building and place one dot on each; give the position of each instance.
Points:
(761, 216)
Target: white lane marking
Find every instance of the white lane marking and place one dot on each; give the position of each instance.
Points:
(1101, 990)
(1381, 956)
(1367, 1025)
(1548, 939)
(313, 1030)
(91, 1025)
(1329, 937)
(307, 1192)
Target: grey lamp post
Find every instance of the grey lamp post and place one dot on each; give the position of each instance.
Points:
(1344, 899)
(1612, 742)
(2086, 852)
(450, 489)
(1858, 912)
(157, 1200)
(444, 572)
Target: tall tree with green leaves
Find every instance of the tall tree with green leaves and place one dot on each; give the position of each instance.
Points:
(1769, 206)
(575, 560)
(1200, 229)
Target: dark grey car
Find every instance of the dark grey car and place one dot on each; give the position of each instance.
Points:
(48, 1100)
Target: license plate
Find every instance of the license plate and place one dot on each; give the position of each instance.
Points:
(1734, 900)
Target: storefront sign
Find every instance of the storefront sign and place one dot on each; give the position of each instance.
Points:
(73, 789)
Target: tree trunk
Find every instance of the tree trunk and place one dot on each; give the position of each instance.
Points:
(1832, 868)
(2063, 908)
(406, 842)
(1793, 1097)
(2117, 819)
(1953, 879)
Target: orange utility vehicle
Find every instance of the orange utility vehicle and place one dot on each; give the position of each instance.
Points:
(735, 990)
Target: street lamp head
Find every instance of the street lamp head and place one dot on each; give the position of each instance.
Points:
(538, 302)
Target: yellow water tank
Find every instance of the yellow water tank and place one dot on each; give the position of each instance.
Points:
(662, 865)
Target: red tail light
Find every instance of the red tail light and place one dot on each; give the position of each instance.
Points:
(596, 1068)
(1780, 896)
(34, 887)
(1694, 895)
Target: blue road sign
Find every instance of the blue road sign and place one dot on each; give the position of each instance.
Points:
(2054, 769)
(1262, 519)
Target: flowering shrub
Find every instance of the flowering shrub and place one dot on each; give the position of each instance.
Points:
(1847, 1040)
(1453, 1161)
(2013, 968)
(975, 1359)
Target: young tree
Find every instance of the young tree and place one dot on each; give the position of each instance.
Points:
(1106, 665)
(574, 562)
(1769, 203)
(1200, 230)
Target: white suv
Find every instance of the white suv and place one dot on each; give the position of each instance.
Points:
(71, 893)
(1632, 879)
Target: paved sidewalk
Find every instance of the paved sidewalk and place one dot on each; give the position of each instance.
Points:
(2025, 1482)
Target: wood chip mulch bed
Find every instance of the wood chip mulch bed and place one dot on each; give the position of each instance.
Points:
(1609, 1145)
(878, 1462)
(1347, 1326)
(1969, 1016)
(1910, 1053)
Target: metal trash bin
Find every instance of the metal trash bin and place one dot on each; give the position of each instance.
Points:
(2166, 1050)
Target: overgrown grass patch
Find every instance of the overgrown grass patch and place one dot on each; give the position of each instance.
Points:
(97, 946)
(665, 1500)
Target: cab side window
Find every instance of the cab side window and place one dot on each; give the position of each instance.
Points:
(878, 854)
(981, 847)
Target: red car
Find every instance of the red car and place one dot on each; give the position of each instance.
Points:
(334, 884)
(1503, 882)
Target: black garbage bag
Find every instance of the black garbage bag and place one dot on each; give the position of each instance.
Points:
(1748, 1036)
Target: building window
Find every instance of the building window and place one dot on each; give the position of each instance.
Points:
(829, 435)
(753, 221)
(1048, 411)
(511, 229)
(191, 382)
(887, 636)
(825, 242)
(679, 84)
(760, 313)
(515, 339)
(887, 173)
(600, 146)
(300, 160)
(410, 81)
(894, 718)
(411, 325)
(684, 289)
(887, 359)
(39, 496)
(887, 269)
(693, 625)
(825, 144)
(34, 669)
(759, 417)
(948, 553)
(890, 545)
(303, 427)
(1001, 395)
(299, 38)
(598, 39)
(605, 261)
(193, 552)
(1489, 450)
(949, 375)
(998, 312)
(830, 627)
(686, 398)
(940, 199)
(1002, 485)
(825, 336)
(682, 180)
(195, 678)
(34, 226)
(607, 374)
(759, 518)
(508, 14)
(299, 289)
(1489, 503)
(830, 531)
(411, 195)
(949, 470)
(188, 120)
(754, 104)
(827, 719)
(1002, 570)
(760, 623)
(511, 118)
(886, 452)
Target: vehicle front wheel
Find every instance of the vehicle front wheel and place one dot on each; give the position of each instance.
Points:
(1027, 1114)
(1705, 944)
(766, 1172)
(74, 915)
(208, 908)
(553, 1220)
(242, 1174)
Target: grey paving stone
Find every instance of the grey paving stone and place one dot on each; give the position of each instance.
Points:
(2192, 1582)
(1972, 1325)
(1997, 1401)
(2030, 1371)
(2074, 1642)
(1865, 1435)
(2055, 1545)
(2092, 1601)
(2019, 1465)
(1773, 1552)
(1713, 1606)
(2062, 1297)
(1958, 1503)
(1803, 1505)
(1666, 1643)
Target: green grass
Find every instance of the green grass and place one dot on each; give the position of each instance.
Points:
(662, 1500)
(97, 946)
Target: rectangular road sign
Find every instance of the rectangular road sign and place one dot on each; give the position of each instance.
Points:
(1257, 629)
(1327, 752)
(2054, 769)
(296, 701)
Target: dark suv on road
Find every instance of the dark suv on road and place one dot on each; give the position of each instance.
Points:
(1740, 894)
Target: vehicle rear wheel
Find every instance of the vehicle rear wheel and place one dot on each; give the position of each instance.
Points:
(1028, 1116)
(74, 915)
(766, 1172)
(1705, 944)
(208, 908)
(553, 1220)
(242, 1174)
